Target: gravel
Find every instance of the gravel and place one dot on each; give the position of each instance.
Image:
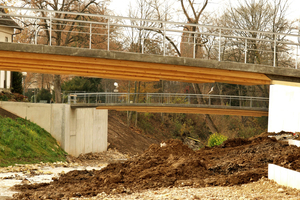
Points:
(262, 189)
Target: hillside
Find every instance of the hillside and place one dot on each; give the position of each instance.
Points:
(22, 141)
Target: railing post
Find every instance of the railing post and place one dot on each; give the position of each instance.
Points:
(220, 34)
(194, 48)
(297, 57)
(35, 34)
(274, 62)
(164, 42)
(50, 31)
(108, 34)
(143, 40)
(246, 50)
(250, 102)
(90, 35)
(209, 100)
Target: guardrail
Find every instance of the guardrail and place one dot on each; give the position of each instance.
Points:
(167, 98)
(145, 36)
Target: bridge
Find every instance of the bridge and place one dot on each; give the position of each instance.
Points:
(104, 61)
(172, 103)
(268, 59)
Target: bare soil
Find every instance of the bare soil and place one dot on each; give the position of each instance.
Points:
(236, 162)
(127, 140)
(5, 113)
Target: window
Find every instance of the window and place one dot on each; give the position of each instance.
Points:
(6, 39)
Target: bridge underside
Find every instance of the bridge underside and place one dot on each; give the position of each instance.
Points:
(220, 110)
(118, 65)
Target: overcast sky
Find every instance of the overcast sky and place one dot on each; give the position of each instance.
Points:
(120, 7)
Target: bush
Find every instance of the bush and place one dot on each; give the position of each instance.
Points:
(216, 139)
(44, 95)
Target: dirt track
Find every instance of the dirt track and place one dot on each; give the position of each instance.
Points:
(236, 162)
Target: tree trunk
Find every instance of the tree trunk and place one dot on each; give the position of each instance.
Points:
(57, 88)
(212, 127)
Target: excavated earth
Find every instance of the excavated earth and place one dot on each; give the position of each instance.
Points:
(236, 162)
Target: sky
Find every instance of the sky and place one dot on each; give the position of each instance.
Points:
(120, 7)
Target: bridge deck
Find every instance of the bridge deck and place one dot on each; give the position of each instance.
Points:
(179, 108)
(126, 66)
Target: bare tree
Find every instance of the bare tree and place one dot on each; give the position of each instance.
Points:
(62, 34)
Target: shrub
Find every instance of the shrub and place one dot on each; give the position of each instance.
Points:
(216, 139)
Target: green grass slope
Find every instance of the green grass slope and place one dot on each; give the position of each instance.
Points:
(22, 142)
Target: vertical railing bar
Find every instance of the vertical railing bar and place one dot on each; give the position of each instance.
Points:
(35, 34)
(274, 62)
(108, 33)
(194, 47)
(297, 57)
(246, 50)
(143, 40)
(50, 31)
(90, 35)
(220, 34)
(164, 42)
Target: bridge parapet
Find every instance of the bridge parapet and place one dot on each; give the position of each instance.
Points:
(164, 99)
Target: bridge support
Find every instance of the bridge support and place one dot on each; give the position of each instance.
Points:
(284, 107)
(81, 130)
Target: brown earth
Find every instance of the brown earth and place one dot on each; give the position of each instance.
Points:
(127, 140)
(5, 113)
(237, 161)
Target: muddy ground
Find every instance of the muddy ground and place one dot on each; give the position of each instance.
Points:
(237, 161)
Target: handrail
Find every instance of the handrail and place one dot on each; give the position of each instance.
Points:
(167, 98)
(172, 30)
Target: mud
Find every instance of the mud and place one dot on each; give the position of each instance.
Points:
(237, 161)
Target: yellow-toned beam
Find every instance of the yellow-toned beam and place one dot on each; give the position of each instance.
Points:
(191, 110)
(142, 65)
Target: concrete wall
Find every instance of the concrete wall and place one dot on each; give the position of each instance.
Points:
(78, 131)
(284, 109)
(284, 176)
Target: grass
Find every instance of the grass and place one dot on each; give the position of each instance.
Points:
(24, 142)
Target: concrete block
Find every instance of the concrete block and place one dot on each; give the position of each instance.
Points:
(294, 142)
(283, 176)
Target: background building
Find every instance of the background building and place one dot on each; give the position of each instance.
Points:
(7, 31)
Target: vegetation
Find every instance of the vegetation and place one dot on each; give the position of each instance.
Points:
(79, 83)
(23, 142)
(216, 139)
(16, 82)
(44, 95)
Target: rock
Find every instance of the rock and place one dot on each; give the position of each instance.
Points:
(280, 190)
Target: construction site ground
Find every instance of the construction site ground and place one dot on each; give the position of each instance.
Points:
(147, 168)
(173, 165)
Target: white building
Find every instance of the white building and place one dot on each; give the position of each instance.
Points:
(7, 31)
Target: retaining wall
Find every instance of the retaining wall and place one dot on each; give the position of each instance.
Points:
(284, 176)
(81, 130)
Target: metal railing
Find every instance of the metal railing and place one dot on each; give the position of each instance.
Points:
(167, 98)
(118, 33)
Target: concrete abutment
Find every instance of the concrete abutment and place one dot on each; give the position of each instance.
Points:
(81, 130)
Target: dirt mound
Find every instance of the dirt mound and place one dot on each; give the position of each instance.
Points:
(173, 164)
